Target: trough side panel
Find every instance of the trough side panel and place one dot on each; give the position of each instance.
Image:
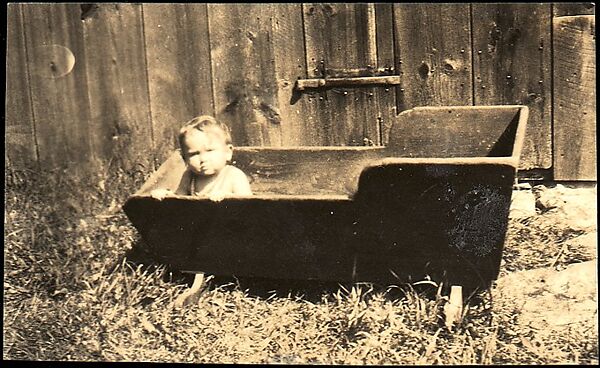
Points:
(179, 73)
(473, 131)
(567, 9)
(512, 66)
(445, 221)
(58, 81)
(305, 171)
(574, 98)
(341, 38)
(171, 175)
(433, 54)
(20, 146)
(243, 67)
(285, 239)
(116, 70)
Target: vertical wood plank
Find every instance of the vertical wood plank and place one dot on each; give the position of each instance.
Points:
(433, 54)
(54, 42)
(257, 53)
(245, 85)
(386, 97)
(299, 124)
(20, 148)
(512, 59)
(574, 98)
(341, 37)
(179, 71)
(567, 9)
(116, 70)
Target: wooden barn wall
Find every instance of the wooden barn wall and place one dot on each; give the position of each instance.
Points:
(112, 83)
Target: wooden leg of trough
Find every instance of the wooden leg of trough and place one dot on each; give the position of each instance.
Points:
(192, 295)
(454, 306)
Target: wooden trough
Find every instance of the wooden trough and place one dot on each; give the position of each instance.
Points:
(433, 202)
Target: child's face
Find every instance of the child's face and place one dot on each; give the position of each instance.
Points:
(206, 152)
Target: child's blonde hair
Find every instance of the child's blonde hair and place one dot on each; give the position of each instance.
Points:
(200, 123)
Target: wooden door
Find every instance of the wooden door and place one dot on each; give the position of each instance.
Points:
(348, 40)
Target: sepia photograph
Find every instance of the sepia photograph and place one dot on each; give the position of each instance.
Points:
(301, 183)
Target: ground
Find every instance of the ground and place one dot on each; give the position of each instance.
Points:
(560, 295)
(69, 293)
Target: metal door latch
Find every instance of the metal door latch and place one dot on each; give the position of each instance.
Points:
(302, 84)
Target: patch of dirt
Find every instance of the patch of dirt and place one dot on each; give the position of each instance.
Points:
(572, 208)
(552, 301)
(549, 271)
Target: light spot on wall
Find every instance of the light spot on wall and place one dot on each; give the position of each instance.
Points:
(52, 61)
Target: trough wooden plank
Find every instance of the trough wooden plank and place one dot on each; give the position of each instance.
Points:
(433, 54)
(20, 149)
(179, 69)
(574, 98)
(341, 37)
(417, 218)
(116, 68)
(567, 9)
(512, 60)
(454, 132)
(58, 82)
(290, 171)
(305, 171)
(285, 239)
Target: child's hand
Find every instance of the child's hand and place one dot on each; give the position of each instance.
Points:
(160, 193)
(216, 196)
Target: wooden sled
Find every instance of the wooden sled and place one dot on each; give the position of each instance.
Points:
(433, 202)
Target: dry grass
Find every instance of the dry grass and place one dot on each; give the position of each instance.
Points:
(70, 295)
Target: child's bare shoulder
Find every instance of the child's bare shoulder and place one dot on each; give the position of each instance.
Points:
(239, 181)
(235, 172)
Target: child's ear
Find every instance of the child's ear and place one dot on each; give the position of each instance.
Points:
(229, 152)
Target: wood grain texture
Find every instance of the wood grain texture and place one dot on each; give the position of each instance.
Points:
(433, 54)
(455, 132)
(58, 82)
(20, 146)
(116, 72)
(299, 126)
(512, 65)
(179, 69)
(338, 37)
(289, 171)
(568, 9)
(243, 65)
(415, 219)
(385, 97)
(574, 98)
(311, 171)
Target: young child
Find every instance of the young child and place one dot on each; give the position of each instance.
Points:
(206, 149)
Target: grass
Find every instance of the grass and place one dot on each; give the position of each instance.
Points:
(69, 294)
